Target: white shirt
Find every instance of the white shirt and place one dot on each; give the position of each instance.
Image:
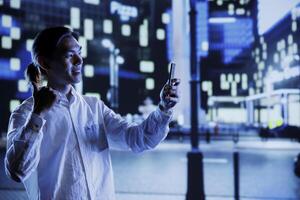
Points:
(64, 152)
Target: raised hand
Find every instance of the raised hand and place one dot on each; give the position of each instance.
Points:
(44, 98)
(169, 96)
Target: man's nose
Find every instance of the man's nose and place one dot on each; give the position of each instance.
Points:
(77, 59)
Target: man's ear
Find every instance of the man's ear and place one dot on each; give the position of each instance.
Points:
(43, 63)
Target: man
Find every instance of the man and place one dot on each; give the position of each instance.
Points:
(59, 141)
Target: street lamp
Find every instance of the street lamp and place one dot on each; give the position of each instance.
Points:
(114, 61)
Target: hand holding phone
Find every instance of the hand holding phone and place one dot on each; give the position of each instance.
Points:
(169, 94)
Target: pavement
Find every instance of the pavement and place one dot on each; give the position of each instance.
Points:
(266, 171)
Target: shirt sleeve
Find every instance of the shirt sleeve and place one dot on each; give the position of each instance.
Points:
(136, 137)
(23, 142)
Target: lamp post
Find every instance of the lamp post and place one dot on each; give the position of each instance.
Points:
(195, 190)
(114, 60)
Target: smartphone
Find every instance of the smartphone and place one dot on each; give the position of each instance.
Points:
(172, 72)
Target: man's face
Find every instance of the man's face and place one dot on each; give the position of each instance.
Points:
(66, 62)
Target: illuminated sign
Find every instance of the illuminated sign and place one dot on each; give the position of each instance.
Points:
(124, 11)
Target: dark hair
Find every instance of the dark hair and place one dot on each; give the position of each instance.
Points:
(44, 44)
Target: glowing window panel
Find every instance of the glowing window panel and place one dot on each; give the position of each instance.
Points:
(6, 21)
(204, 46)
(204, 86)
(124, 11)
(107, 26)
(294, 26)
(93, 94)
(244, 82)
(223, 77)
(290, 39)
(147, 66)
(93, 2)
(150, 83)
(15, 4)
(6, 42)
(89, 29)
(75, 17)
(165, 18)
(126, 30)
(29, 44)
(83, 43)
(295, 48)
(264, 46)
(261, 65)
(237, 78)
(15, 33)
(1, 2)
(240, 11)
(219, 2)
(231, 9)
(264, 55)
(160, 34)
(233, 89)
(89, 70)
(230, 77)
(15, 64)
(13, 104)
(276, 58)
(23, 85)
(143, 34)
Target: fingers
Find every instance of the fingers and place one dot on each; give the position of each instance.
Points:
(175, 82)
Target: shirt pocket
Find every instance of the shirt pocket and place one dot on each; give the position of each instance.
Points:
(96, 137)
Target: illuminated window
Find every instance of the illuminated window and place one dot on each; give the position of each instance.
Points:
(29, 43)
(165, 18)
(230, 77)
(264, 46)
(223, 77)
(126, 30)
(240, 11)
(89, 70)
(244, 82)
(233, 89)
(264, 55)
(15, 64)
(107, 26)
(143, 34)
(160, 34)
(290, 39)
(147, 66)
(93, 94)
(204, 46)
(83, 43)
(295, 48)
(230, 9)
(261, 65)
(75, 18)
(15, 4)
(6, 21)
(6, 42)
(94, 2)
(150, 83)
(89, 29)
(1, 2)
(13, 104)
(15, 33)
(219, 2)
(237, 78)
(276, 58)
(294, 26)
(22, 85)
